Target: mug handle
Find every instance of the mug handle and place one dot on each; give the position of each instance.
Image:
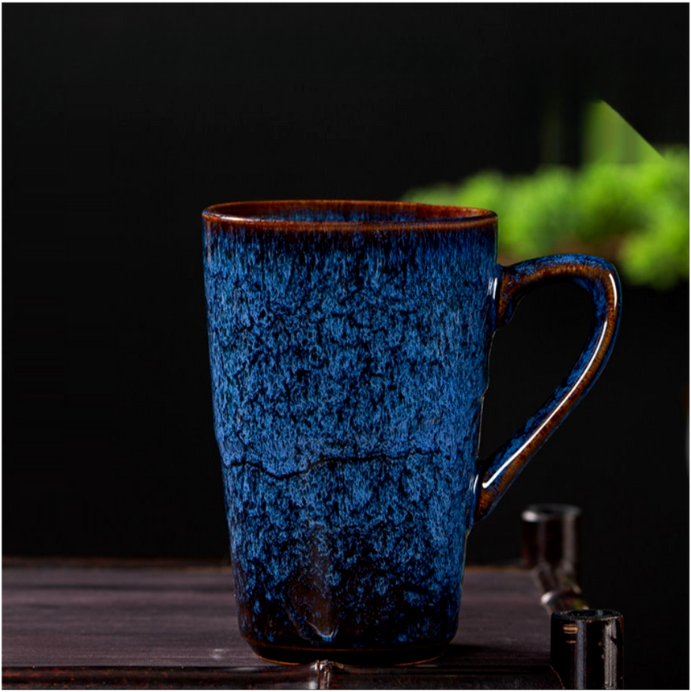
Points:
(600, 279)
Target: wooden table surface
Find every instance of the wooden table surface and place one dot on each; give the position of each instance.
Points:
(129, 625)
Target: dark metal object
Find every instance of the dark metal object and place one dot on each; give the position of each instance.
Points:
(587, 649)
(560, 590)
(587, 646)
(552, 534)
(552, 550)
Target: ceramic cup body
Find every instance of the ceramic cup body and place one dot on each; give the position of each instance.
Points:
(349, 347)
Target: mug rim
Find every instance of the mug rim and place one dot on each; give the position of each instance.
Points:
(266, 214)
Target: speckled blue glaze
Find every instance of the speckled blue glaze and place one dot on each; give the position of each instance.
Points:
(349, 364)
(599, 278)
(348, 376)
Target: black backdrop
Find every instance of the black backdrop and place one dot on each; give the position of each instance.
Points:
(121, 122)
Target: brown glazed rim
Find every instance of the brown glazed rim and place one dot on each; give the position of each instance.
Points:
(435, 216)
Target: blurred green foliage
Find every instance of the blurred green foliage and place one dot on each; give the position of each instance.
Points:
(636, 215)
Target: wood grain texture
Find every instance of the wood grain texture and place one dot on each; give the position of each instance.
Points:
(176, 627)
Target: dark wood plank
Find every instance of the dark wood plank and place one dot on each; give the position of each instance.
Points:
(315, 676)
(95, 626)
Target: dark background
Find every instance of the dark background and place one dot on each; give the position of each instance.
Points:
(122, 122)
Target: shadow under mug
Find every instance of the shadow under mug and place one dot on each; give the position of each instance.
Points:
(349, 345)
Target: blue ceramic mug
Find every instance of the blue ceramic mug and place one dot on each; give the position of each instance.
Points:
(349, 346)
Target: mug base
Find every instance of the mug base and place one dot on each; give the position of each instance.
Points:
(289, 655)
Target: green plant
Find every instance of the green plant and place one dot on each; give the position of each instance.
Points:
(637, 215)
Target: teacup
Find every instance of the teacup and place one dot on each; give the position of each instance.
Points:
(349, 346)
